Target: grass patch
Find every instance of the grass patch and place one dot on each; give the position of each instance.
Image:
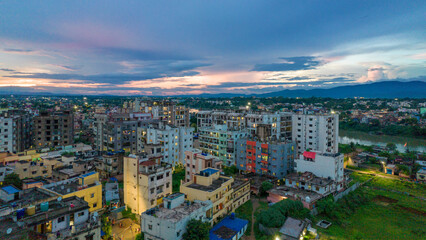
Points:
(398, 185)
(385, 215)
(377, 221)
(245, 212)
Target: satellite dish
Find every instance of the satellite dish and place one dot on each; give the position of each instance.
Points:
(9, 231)
(59, 199)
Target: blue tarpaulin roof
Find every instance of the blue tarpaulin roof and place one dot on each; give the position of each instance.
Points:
(113, 179)
(210, 171)
(235, 225)
(10, 189)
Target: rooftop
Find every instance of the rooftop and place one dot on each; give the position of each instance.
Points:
(215, 185)
(10, 189)
(178, 213)
(227, 228)
(295, 193)
(293, 227)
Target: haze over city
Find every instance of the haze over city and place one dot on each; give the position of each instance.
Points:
(194, 47)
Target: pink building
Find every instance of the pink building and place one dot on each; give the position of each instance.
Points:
(196, 160)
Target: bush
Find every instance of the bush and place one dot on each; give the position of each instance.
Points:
(276, 215)
(197, 229)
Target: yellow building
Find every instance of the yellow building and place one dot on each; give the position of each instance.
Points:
(11, 159)
(241, 193)
(36, 168)
(208, 184)
(86, 186)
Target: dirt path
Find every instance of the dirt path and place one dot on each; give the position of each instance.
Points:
(255, 202)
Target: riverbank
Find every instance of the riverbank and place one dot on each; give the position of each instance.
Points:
(413, 144)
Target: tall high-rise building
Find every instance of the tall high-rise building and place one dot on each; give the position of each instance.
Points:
(53, 129)
(174, 140)
(15, 131)
(318, 132)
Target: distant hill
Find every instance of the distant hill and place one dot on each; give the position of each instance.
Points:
(385, 89)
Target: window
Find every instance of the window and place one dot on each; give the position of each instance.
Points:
(80, 214)
(149, 226)
(95, 205)
(92, 195)
(61, 219)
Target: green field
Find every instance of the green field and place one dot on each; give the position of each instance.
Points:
(379, 220)
(387, 215)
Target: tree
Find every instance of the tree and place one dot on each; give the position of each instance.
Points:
(13, 179)
(231, 170)
(266, 186)
(177, 176)
(404, 169)
(391, 146)
(140, 236)
(106, 226)
(197, 229)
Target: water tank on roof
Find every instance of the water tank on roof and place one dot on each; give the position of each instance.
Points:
(308, 199)
(30, 210)
(44, 206)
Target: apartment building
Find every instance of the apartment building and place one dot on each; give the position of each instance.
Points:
(146, 181)
(241, 192)
(271, 158)
(111, 164)
(15, 131)
(66, 218)
(86, 186)
(208, 184)
(36, 168)
(279, 123)
(220, 141)
(317, 132)
(53, 129)
(170, 220)
(174, 140)
(196, 160)
(119, 131)
(167, 112)
(233, 120)
(324, 165)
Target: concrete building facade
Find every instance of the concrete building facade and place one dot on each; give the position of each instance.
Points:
(275, 159)
(317, 132)
(170, 220)
(146, 181)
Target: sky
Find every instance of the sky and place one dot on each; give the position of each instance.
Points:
(174, 47)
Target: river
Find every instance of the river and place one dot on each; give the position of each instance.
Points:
(363, 138)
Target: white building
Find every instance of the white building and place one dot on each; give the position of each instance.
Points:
(15, 131)
(279, 122)
(170, 221)
(175, 141)
(325, 165)
(146, 182)
(316, 132)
